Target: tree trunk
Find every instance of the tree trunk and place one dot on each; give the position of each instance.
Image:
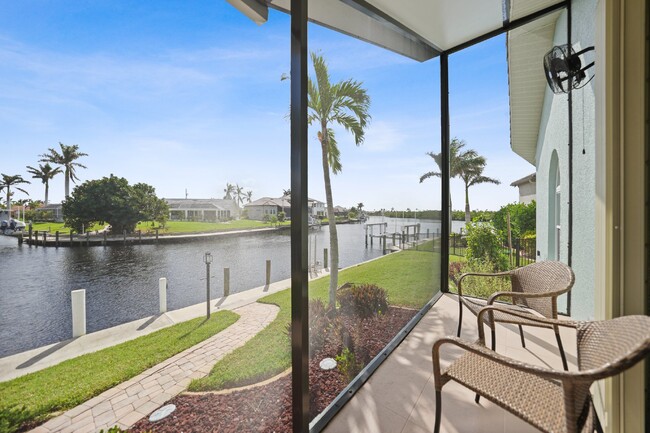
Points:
(67, 183)
(468, 217)
(47, 190)
(8, 202)
(334, 241)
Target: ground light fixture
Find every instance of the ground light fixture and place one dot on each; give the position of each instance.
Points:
(207, 259)
(162, 413)
(253, 9)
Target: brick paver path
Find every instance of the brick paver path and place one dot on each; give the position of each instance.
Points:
(126, 403)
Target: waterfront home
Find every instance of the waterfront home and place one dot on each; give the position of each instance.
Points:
(208, 210)
(267, 206)
(50, 212)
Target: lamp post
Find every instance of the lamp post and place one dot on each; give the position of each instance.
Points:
(207, 259)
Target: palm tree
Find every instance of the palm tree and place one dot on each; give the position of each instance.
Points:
(239, 195)
(11, 181)
(45, 173)
(249, 196)
(345, 103)
(458, 158)
(229, 190)
(66, 159)
(472, 174)
(360, 206)
(286, 192)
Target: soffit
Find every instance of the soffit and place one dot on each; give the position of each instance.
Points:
(419, 29)
(527, 82)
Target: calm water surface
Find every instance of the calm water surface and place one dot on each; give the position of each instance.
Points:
(121, 282)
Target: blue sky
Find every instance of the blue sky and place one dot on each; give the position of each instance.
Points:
(188, 96)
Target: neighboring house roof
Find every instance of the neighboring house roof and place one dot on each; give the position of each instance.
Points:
(340, 209)
(280, 202)
(269, 201)
(531, 178)
(526, 47)
(201, 204)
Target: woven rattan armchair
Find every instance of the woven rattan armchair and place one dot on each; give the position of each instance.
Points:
(551, 400)
(535, 288)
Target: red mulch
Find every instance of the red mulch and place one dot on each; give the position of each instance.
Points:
(267, 408)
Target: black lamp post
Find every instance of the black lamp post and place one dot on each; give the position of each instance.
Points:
(207, 258)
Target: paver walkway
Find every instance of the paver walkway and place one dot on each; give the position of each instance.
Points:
(134, 399)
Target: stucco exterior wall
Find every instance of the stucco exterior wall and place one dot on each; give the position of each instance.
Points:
(553, 137)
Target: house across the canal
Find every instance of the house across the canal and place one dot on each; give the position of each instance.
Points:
(265, 207)
(197, 209)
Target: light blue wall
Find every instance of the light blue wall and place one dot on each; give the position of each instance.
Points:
(553, 135)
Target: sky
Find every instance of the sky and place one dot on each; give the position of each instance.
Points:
(188, 96)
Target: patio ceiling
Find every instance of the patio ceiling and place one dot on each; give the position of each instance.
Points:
(419, 29)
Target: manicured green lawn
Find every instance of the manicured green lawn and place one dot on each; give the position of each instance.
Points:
(408, 276)
(53, 227)
(172, 227)
(72, 382)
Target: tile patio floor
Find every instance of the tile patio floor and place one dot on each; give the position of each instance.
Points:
(400, 396)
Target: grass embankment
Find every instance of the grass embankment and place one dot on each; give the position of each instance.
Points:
(72, 382)
(409, 277)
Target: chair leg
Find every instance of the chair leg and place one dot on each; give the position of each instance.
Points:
(521, 334)
(438, 410)
(494, 339)
(477, 398)
(561, 348)
(460, 318)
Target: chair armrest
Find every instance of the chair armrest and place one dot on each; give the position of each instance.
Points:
(489, 308)
(493, 297)
(478, 274)
(479, 348)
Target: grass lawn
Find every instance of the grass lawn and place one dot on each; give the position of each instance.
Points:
(53, 227)
(72, 382)
(409, 278)
(172, 227)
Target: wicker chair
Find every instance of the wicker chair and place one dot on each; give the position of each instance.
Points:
(535, 288)
(551, 400)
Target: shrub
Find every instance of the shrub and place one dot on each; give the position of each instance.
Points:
(482, 287)
(483, 244)
(455, 271)
(363, 300)
(347, 364)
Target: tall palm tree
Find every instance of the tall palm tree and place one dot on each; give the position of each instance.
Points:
(360, 206)
(11, 181)
(229, 190)
(458, 158)
(249, 196)
(345, 103)
(239, 194)
(45, 173)
(66, 159)
(286, 192)
(472, 174)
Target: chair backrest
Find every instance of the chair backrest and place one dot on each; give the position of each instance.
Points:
(612, 346)
(542, 277)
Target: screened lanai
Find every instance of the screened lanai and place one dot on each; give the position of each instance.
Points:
(424, 30)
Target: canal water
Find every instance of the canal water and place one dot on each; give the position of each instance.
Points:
(121, 282)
